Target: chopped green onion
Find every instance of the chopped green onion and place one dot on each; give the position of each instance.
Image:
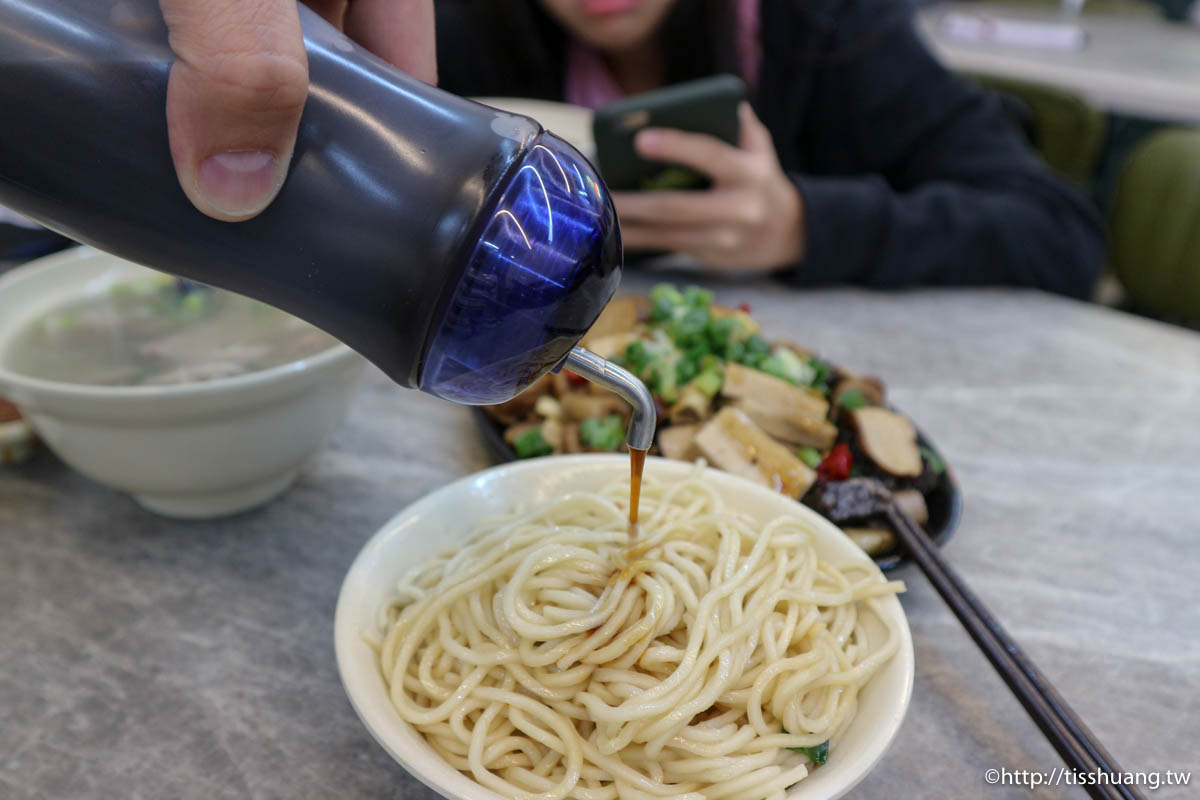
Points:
(754, 360)
(753, 352)
(818, 753)
(685, 370)
(851, 400)
(709, 382)
(531, 443)
(191, 306)
(757, 344)
(935, 461)
(664, 299)
(664, 380)
(722, 333)
(785, 364)
(635, 357)
(697, 297)
(821, 372)
(809, 455)
(666, 293)
(604, 433)
(691, 324)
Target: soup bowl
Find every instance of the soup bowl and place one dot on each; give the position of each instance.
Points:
(446, 517)
(201, 449)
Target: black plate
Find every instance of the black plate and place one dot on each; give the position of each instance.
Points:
(944, 501)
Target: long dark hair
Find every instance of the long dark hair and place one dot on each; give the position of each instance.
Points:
(513, 47)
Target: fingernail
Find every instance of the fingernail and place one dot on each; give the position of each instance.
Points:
(239, 182)
(648, 139)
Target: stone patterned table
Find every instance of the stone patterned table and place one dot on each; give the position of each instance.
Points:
(145, 658)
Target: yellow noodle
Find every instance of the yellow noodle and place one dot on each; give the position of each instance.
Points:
(548, 657)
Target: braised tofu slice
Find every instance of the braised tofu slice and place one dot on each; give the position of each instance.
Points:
(792, 427)
(732, 442)
(612, 345)
(571, 442)
(520, 408)
(679, 442)
(912, 503)
(552, 432)
(578, 406)
(692, 406)
(621, 315)
(874, 541)
(888, 439)
(773, 393)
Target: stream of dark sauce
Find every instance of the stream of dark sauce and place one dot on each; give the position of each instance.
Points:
(637, 462)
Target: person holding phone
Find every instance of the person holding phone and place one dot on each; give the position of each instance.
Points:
(860, 158)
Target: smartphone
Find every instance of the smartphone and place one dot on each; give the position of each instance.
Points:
(708, 105)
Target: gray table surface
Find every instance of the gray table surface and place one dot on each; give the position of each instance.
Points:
(1135, 64)
(145, 658)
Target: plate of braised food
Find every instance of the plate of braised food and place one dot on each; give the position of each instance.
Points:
(770, 410)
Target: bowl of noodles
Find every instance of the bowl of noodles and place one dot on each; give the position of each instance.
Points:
(511, 635)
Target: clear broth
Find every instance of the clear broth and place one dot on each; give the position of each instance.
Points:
(156, 332)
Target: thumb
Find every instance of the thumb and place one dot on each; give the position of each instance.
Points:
(755, 137)
(234, 100)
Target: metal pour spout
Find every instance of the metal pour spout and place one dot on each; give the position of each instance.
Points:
(624, 384)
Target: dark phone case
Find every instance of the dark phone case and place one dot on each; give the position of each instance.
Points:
(708, 105)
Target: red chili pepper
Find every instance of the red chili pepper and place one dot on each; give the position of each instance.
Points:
(836, 466)
(578, 380)
(744, 307)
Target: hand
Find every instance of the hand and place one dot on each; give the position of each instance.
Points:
(238, 88)
(751, 219)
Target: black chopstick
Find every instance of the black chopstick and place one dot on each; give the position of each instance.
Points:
(1078, 747)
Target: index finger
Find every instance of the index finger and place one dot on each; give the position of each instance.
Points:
(701, 152)
(674, 207)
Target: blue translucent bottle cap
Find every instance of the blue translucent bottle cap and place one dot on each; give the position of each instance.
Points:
(547, 261)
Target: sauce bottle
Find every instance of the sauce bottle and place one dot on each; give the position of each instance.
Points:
(462, 249)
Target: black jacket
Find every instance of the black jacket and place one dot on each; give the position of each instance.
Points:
(910, 175)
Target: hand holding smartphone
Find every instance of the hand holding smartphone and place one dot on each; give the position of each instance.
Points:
(749, 215)
(708, 105)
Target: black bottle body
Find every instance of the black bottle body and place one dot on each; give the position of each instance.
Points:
(390, 184)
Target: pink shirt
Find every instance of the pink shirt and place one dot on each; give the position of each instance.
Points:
(591, 85)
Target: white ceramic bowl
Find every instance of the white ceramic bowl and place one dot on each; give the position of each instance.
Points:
(191, 450)
(440, 519)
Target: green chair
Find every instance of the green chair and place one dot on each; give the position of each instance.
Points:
(1062, 126)
(1155, 225)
